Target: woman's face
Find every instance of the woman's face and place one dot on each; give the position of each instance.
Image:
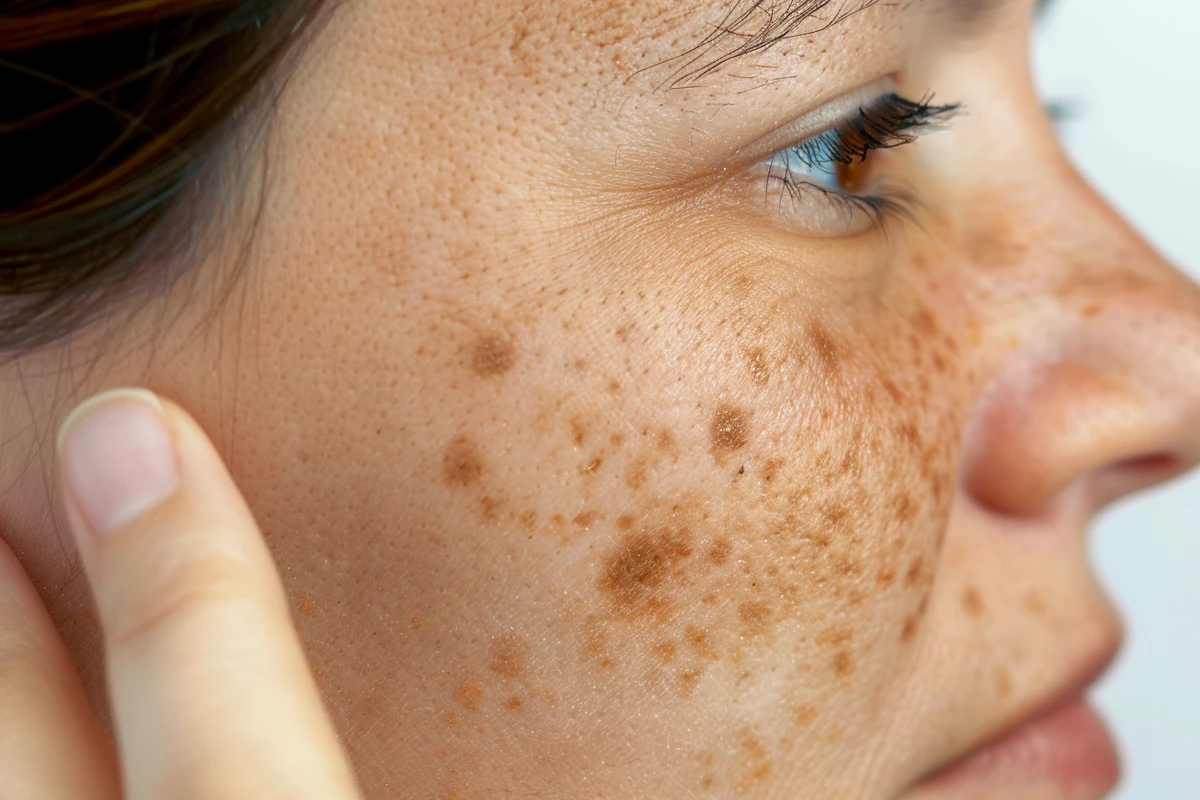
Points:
(605, 455)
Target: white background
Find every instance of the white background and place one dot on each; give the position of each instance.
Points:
(1132, 67)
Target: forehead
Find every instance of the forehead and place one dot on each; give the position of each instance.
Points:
(648, 33)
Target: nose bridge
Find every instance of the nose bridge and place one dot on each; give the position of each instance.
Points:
(1043, 247)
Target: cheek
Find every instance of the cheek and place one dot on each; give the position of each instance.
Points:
(735, 493)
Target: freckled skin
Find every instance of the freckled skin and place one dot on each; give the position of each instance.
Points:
(612, 485)
(729, 430)
(492, 355)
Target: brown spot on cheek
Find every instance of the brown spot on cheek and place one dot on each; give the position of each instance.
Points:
(756, 762)
(492, 355)
(509, 656)
(805, 714)
(996, 246)
(635, 573)
(635, 476)
(972, 603)
(578, 431)
(587, 519)
(915, 570)
(755, 616)
(822, 345)
(720, 551)
(470, 695)
(462, 466)
(729, 430)
(701, 642)
(756, 360)
(666, 651)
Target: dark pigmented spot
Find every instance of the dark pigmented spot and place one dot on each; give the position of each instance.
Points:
(578, 431)
(644, 562)
(804, 715)
(719, 551)
(470, 695)
(666, 650)
(701, 641)
(972, 602)
(492, 355)
(915, 570)
(770, 469)
(756, 361)
(635, 476)
(755, 615)
(509, 656)
(729, 430)
(592, 465)
(586, 519)
(842, 663)
(823, 347)
(755, 761)
(834, 637)
(462, 465)
(688, 680)
(903, 508)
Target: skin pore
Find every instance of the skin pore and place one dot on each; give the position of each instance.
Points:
(598, 466)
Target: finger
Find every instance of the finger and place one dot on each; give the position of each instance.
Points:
(51, 745)
(211, 693)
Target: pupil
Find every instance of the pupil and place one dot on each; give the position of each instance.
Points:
(852, 176)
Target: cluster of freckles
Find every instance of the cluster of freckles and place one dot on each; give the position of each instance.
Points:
(834, 515)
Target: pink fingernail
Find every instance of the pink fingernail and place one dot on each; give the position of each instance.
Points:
(117, 456)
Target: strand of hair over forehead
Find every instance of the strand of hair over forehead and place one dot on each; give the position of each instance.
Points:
(751, 27)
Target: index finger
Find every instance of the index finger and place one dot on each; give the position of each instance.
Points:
(210, 690)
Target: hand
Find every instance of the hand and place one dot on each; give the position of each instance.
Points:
(210, 692)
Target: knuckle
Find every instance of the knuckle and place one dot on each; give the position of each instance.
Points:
(177, 590)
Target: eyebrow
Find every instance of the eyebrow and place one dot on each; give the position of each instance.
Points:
(755, 26)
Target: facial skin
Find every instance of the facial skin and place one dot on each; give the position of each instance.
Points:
(592, 469)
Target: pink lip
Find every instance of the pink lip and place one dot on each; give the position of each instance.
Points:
(1063, 746)
(1067, 748)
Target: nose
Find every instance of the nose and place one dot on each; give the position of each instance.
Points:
(1095, 387)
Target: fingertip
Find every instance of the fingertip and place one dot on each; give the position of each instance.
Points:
(118, 457)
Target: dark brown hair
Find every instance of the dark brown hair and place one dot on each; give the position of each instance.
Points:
(111, 114)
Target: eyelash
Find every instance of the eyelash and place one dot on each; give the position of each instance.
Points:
(887, 122)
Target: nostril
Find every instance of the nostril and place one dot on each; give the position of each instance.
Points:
(1133, 474)
(1162, 462)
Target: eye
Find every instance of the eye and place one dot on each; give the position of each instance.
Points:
(830, 184)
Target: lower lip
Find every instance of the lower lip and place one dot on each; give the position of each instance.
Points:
(1067, 749)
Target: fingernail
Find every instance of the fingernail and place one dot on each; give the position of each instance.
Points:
(117, 456)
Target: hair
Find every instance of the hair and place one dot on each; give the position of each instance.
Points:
(113, 116)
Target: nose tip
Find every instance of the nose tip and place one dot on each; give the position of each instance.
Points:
(1084, 413)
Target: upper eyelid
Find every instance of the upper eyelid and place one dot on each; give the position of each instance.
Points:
(815, 122)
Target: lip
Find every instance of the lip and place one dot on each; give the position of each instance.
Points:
(1060, 745)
